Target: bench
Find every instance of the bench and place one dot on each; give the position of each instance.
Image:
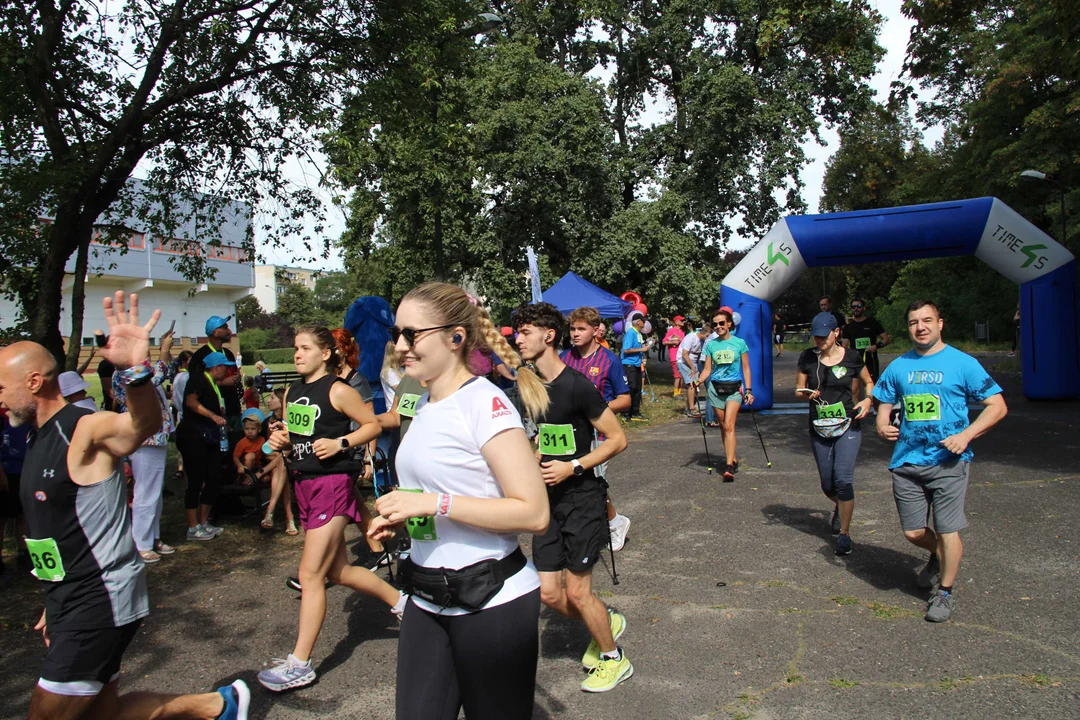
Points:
(264, 381)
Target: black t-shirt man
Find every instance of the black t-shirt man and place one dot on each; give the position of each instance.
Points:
(565, 430)
(231, 395)
(834, 383)
(861, 334)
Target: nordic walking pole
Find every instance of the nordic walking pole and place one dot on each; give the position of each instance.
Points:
(652, 395)
(708, 457)
(768, 463)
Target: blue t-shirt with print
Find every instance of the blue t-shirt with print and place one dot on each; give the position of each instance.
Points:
(632, 341)
(726, 358)
(933, 392)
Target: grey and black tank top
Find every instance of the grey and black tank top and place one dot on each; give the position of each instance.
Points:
(79, 536)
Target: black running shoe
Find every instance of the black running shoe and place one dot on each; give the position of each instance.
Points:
(835, 522)
(843, 544)
(729, 474)
(294, 584)
(735, 466)
(375, 561)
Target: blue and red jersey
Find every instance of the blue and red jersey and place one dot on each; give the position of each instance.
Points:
(603, 368)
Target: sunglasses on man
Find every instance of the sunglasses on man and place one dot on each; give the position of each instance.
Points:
(410, 333)
(857, 306)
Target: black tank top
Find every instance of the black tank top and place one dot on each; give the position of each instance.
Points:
(311, 416)
(79, 536)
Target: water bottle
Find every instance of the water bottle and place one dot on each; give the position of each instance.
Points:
(224, 432)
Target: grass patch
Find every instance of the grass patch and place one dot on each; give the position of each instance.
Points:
(948, 683)
(844, 600)
(889, 612)
(843, 684)
(718, 607)
(1037, 680)
(772, 583)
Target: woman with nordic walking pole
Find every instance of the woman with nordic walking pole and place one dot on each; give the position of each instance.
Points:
(727, 372)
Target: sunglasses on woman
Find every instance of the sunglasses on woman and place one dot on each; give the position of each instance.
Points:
(410, 333)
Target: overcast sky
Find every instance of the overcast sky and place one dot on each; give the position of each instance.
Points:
(894, 36)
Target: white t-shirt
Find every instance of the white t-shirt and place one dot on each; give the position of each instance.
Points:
(390, 388)
(441, 453)
(178, 386)
(692, 343)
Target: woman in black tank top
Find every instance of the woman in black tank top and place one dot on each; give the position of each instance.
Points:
(316, 435)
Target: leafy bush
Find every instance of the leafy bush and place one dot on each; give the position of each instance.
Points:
(255, 339)
(271, 356)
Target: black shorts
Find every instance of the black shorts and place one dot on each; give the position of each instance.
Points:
(10, 505)
(81, 662)
(579, 527)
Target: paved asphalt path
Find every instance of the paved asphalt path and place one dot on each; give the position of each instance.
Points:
(737, 606)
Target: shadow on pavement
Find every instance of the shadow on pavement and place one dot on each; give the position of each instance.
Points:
(882, 567)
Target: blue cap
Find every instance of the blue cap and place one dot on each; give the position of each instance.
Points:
(216, 321)
(255, 413)
(214, 359)
(823, 324)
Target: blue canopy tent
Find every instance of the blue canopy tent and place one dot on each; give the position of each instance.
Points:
(573, 291)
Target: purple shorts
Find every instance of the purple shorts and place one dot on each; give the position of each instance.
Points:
(325, 497)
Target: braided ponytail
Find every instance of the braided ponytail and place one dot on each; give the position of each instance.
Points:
(533, 392)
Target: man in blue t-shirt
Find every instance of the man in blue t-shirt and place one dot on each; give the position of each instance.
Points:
(932, 385)
(633, 353)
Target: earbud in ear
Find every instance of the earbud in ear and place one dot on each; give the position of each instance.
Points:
(458, 339)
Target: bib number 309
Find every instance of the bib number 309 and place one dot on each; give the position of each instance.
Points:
(300, 419)
(557, 440)
(922, 408)
(420, 528)
(45, 555)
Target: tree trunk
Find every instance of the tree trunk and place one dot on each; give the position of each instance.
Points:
(78, 304)
(62, 239)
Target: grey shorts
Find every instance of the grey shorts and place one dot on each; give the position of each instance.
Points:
(919, 488)
(684, 371)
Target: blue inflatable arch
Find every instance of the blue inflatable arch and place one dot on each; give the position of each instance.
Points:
(984, 227)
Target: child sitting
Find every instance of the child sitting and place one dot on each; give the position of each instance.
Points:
(248, 455)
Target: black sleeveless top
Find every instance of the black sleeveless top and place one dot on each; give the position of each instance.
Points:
(82, 547)
(312, 401)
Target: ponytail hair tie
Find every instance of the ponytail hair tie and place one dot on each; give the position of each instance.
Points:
(473, 299)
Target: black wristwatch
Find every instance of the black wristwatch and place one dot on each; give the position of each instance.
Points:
(344, 443)
(579, 469)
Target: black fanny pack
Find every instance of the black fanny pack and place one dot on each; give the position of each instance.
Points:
(724, 389)
(469, 588)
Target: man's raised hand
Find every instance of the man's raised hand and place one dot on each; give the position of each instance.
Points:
(129, 342)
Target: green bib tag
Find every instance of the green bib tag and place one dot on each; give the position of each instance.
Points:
(724, 357)
(46, 558)
(922, 408)
(407, 405)
(862, 343)
(300, 419)
(557, 439)
(420, 528)
(839, 371)
(836, 410)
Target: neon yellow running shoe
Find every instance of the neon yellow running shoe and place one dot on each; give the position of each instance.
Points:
(608, 674)
(591, 658)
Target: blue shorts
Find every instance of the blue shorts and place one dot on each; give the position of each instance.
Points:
(719, 401)
(685, 371)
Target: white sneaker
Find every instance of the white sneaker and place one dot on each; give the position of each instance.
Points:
(199, 533)
(399, 609)
(213, 529)
(618, 528)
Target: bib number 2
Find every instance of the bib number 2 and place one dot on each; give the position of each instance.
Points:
(45, 555)
(922, 408)
(557, 440)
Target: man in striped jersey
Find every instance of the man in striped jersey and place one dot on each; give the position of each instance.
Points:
(79, 531)
(604, 370)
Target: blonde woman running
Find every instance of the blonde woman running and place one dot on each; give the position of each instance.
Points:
(469, 484)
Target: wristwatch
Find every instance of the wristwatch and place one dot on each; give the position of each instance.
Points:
(578, 469)
(344, 443)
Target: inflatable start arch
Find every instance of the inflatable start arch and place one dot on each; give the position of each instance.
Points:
(984, 227)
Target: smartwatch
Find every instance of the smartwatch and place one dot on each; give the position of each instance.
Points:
(578, 469)
(344, 443)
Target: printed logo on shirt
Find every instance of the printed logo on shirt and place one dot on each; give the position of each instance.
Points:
(48, 473)
(594, 371)
(839, 371)
(498, 408)
(40, 496)
(925, 377)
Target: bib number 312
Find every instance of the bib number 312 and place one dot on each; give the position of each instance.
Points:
(922, 408)
(45, 555)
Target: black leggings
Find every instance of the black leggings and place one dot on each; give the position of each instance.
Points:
(202, 465)
(484, 662)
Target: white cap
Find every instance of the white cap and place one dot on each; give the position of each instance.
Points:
(71, 382)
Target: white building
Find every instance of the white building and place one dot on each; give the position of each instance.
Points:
(145, 269)
(271, 281)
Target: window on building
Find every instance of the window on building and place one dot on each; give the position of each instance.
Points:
(176, 246)
(88, 341)
(135, 241)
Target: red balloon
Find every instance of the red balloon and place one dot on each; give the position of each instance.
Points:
(631, 296)
(641, 308)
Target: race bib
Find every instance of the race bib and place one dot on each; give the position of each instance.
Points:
(922, 408)
(724, 357)
(557, 439)
(300, 419)
(407, 405)
(46, 558)
(420, 528)
(836, 410)
(862, 343)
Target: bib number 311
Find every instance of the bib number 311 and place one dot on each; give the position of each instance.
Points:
(45, 555)
(922, 408)
(557, 440)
